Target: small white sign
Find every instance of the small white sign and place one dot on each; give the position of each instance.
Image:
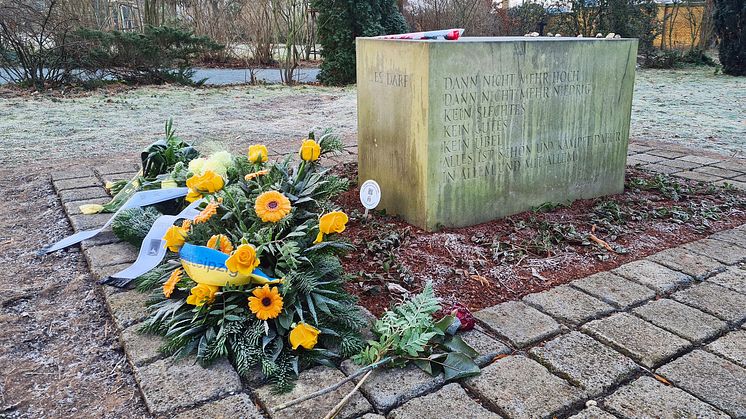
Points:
(370, 194)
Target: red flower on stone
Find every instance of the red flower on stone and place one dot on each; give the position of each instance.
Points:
(464, 315)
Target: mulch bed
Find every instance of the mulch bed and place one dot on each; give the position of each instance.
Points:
(505, 259)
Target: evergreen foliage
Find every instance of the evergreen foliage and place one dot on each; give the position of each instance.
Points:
(161, 54)
(340, 22)
(730, 24)
(133, 224)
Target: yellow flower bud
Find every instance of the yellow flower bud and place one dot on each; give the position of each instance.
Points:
(258, 153)
(304, 335)
(310, 150)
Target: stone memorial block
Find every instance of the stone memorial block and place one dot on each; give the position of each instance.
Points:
(462, 132)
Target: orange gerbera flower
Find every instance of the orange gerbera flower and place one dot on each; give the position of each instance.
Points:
(272, 206)
(170, 284)
(266, 302)
(207, 213)
(220, 242)
(256, 174)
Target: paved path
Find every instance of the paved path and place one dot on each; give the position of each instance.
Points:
(659, 337)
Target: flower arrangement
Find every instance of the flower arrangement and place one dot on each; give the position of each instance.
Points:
(256, 276)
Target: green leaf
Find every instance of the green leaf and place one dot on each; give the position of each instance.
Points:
(457, 365)
(456, 344)
(444, 323)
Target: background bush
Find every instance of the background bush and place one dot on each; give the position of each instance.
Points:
(160, 54)
(340, 22)
(730, 25)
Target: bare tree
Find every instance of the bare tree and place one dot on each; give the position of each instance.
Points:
(34, 42)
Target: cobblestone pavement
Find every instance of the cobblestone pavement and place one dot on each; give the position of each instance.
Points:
(661, 337)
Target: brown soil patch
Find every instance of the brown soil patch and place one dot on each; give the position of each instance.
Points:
(505, 259)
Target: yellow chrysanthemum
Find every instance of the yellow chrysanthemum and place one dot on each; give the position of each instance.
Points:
(304, 335)
(272, 206)
(207, 213)
(258, 153)
(266, 302)
(220, 242)
(256, 174)
(310, 150)
(333, 222)
(243, 260)
(170, 284)
(202, 294)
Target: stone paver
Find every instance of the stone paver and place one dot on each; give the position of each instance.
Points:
(648, 158)
(723, 252)
(127, 308)
(653, 275)
(522, 388)
(700, 160)
(737, 165)
(734, 278)
(141, 348)
(669, 154)
(569, 304)
(717, 171)
(87, 222)
(487, 347)
(682, 320)
(642, 341)
(649, 398)
(309, 381)
(715, 380)
(735, 236)
(111, 254)
(593, 412)
(168, 385)
(660, 168)
(449, 402)
(71, 195)
(697, 176)
(76, 183)
(71, 174)
(73, 208)
(518, 323)
(101, 272)
(238, 406)
(585, 362)
(614, 289)
(688, 262)
(105, 237)
(731, 347)
(390, 387)
(716, 300)
(680, 164)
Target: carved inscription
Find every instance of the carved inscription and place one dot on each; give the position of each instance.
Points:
(479, 110)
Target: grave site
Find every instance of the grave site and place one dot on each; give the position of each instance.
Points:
(479, 227)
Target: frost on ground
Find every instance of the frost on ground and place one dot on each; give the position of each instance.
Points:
(60, 356)
(693, 108)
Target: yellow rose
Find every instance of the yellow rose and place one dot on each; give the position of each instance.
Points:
(243, 260)
(175, 238)
(208, 182)
(89, 209)
(193, 196)
(202, 294)
(304, 335)
(333, 222)
(310, 150)
(258, 153)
